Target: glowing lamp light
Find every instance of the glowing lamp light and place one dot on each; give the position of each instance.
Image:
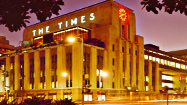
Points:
(122, 14)
(180, 78)
(128, 87)
(64, 74)
(104, 74)
(71, 39)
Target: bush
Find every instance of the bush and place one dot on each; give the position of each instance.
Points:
(65, 102)
(38, 101)
(4, 102)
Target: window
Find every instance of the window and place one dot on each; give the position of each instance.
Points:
(167, 77)
(87, 97)
(101, 97)
(113, 47)
(182, 66)
(170, 85)
(48, 38)
(38, 40)
(154, 58)
(146, 78)
(145, 56)
(129, 51)
(123, 34)
(123, 49)
(172, 64)
(113, 74)
(162, 61)
(165, 62)
(158, 60)
(123, 63)
(177, 65)
(150, 58)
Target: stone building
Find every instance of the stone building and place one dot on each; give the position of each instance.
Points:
(106, 43)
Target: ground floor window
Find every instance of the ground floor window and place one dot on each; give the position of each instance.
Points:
(68, 96)
(88, 97)
(101, 97)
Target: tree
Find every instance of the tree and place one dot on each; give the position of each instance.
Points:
(14, 13)
(169, 6)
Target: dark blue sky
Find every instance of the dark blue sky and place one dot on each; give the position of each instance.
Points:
(169, 32)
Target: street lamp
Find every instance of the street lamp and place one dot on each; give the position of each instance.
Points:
(104, 74)
(72, 39)
(65, 74)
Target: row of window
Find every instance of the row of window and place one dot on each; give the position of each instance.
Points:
(166, 62)
(59, 36)
(113, 48)
(165, 55)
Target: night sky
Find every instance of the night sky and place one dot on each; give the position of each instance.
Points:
(169, 32)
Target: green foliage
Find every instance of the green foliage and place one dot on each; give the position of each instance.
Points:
(14, 13)
(169, 6)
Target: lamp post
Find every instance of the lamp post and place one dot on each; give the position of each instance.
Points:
(104, 74)
(65, 74)
(129, 92)
(72, 39)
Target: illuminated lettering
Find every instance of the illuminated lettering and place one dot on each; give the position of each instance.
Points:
(74, 21)
(47, 29)
(83, 19)
(66, 23)
(60, 25)
(40, 31)
(34, 32)
(92, 16)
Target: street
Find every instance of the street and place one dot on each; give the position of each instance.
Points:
(143, 104)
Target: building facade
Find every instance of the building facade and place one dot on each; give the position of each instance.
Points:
(164, 69)
(106, 42)
(5, 46)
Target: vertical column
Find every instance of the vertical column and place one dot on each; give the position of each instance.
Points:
(133, 65)
(140, 63)
(119, 64)
(93, 67)
(48, 68)
(127, 61)
(26, 71)
(132, 26)
(107, 67)
(77, 70)
(157, 77)
(17, 72)
(61, 67)
(37, 69)
(8, 79)
(125, 30)
(150, 75)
